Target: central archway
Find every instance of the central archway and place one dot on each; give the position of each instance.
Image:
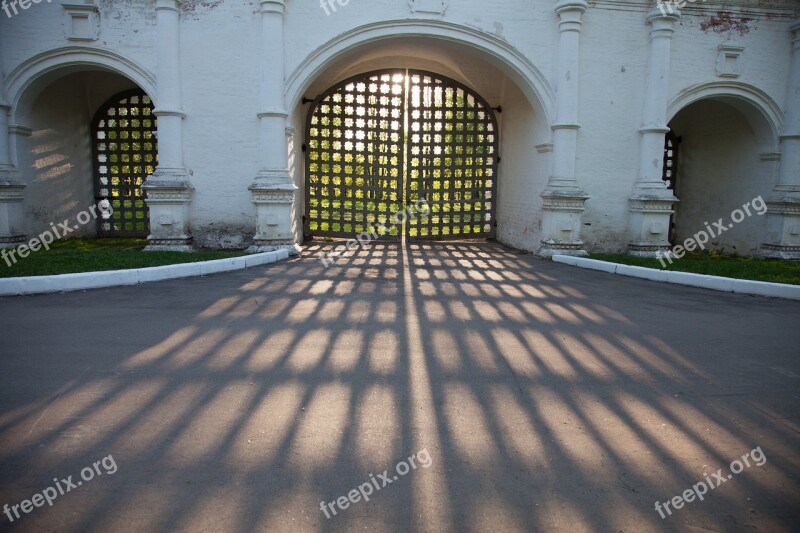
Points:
(499, 73)
(382, 141)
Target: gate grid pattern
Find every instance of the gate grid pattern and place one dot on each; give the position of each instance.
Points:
(384, 140)
(125, 153)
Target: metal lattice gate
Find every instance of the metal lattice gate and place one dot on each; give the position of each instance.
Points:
(386, 140)
(125, 153)
(672, 145)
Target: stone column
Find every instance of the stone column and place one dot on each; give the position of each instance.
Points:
(783, 213)
(273, 190)
(651, 201)
(11, 187)
(563, 199)
(169, 190)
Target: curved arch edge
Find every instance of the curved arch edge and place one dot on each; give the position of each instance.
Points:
(24, 75)
(535, 85)
(770, 110)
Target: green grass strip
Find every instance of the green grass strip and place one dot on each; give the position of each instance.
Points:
(92, 255)
(772, 270)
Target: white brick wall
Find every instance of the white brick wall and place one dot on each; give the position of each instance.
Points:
(220, 77)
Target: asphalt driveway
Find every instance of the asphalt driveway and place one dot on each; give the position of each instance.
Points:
(470, 387)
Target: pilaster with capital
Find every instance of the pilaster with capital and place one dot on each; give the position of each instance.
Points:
(651, 203)
(563, 198)
(783, 205)
(12, 189)
(169, 190)
(273, 191)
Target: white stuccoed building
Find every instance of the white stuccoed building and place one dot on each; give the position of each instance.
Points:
(261, 123)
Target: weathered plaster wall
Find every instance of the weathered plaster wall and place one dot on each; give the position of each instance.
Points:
(220, 78)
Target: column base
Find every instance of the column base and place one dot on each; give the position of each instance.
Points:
(12, 241)
(169, 245)
(649, 250)
(274, 201)
(551, 248)
(12, 192)
(777, 251)
(561, 222)
(168, 200)
(294, 249)
(648, 223)
(783, 228)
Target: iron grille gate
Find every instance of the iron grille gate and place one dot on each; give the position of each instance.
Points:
(125, 153)
(672, 145)
(382, 141)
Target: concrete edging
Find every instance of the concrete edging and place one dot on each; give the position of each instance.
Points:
(116, 278)
(716, 283)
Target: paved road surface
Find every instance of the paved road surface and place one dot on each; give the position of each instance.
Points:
(532, 397)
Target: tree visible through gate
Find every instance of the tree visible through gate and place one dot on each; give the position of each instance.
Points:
(125, 152)
(383, 140)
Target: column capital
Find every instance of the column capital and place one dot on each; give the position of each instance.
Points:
(563, 6)
(795, 29)
(663, 20)
(565, 126)
(19, 129)
(569, 13)
(273, 6)
(161, 112)
(10, 185)
(273, 113)
(171, 5)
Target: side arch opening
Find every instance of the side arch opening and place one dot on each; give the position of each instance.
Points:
(719, 157)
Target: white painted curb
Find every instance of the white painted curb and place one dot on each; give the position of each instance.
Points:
(717, 283)
(116, 278)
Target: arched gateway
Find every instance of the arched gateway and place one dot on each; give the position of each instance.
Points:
(382, 141)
